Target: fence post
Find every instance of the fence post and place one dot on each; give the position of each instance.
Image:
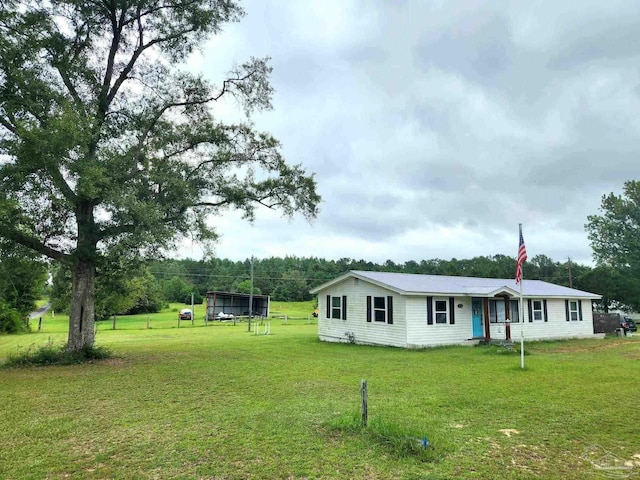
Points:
(365, 406)
(40, 324)
(114, 322)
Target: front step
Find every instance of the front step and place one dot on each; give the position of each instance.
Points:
(508, 344)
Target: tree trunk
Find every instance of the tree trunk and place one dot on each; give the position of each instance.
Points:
(81, 316)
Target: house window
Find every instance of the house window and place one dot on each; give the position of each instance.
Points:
(514, 311)
(573, 310)
(440, 311)
(537, 310)
(336, 307)
(380, 309)
(497, 311)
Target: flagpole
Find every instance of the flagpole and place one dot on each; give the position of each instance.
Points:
(521, 330)
(521, 259)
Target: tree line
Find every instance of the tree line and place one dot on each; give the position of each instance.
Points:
(153, 284)
(147, 287)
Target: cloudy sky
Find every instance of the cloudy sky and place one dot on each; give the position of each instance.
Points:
(435, 127)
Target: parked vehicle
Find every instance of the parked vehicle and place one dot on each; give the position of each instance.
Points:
(628, 324)
(185, 314)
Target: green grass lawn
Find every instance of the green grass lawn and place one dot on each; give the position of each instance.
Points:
(219, 402)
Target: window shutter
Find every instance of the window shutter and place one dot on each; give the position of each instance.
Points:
(344, 307)
(580, 309)
(530, 302)
(390, 310)
(544, 305)
(429, 310)
(328, 306)
(452, 313)
(368, 308)
(566, 309)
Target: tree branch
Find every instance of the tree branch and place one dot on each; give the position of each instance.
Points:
(34, 244)
(58, 180)
(6, 124)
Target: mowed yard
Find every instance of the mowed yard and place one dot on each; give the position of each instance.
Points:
(220, 402)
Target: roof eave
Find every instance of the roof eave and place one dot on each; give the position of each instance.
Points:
(353, 274)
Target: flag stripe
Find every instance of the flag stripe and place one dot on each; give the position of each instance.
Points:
(522, 256)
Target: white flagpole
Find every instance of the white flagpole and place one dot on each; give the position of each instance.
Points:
(521, 329)
(521, 307)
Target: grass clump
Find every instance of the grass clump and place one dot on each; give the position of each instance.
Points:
(399, 441)
(51, 354)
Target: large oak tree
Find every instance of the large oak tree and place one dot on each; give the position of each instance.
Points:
(109, 146)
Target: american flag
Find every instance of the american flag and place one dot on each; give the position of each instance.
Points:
(522, 256)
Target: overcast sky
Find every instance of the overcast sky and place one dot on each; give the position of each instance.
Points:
(435, 127)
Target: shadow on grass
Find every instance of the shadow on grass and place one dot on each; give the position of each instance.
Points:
(51, 354)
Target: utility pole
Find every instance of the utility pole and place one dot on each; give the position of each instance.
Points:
(570, 279)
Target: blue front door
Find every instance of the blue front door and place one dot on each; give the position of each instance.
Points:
(476, 317)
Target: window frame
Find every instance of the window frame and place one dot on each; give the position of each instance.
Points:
(537, 311)
(437, 312)
(376, 310)
(448, 311)
(493, 316)
(376, 313)
(572, 311)
(516, 304)
(337, 308)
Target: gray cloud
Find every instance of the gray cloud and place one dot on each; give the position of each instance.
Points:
(434, 128)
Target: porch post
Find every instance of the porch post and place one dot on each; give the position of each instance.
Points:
(487, 330)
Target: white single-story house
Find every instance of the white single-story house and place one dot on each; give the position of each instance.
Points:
(414, 311)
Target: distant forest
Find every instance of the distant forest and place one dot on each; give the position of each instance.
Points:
(291, 278)
(147, 287)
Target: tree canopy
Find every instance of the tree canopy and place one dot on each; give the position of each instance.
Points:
(109, 147)
(615, 239)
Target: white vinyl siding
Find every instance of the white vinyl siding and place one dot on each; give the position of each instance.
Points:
(356, 325)
(556, 326)
(450, 317)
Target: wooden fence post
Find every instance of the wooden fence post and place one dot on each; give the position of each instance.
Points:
(365, 406)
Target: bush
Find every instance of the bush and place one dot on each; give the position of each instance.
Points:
(11, 321)
(51, 354)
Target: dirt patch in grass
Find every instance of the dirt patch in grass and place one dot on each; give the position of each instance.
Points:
(113, 362)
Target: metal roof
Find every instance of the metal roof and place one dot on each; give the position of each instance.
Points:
(417, 284)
